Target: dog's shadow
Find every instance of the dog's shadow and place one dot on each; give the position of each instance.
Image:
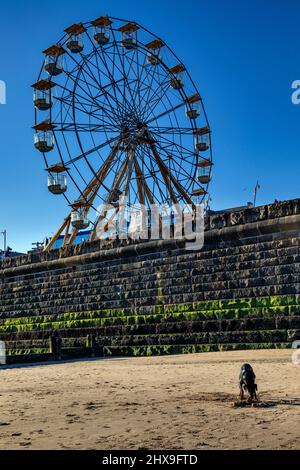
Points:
(288, 402)
(267, 403)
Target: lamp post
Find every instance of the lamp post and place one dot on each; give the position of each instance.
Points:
(257, 187)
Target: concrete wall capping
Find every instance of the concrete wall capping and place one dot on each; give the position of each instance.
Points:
(273, 220)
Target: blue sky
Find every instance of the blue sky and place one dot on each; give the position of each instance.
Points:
(243, 56)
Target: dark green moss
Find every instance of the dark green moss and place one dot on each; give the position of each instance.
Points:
(173, 329)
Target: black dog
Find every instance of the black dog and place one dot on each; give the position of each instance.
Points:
(247, 382)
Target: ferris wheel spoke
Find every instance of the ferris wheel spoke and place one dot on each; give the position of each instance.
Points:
(154, 174)
(121, 89)
(146, 188)
(88, 100)
(164, 168)
(149, 98)
(162, 83)
(70, 175)
(125, 105)
(69, 127)
(148, 77)
(113, 167)
(110, 111)
(76, 100)
(179, 168)
(105, 118)
(165, 113)
(170, 117)
(64, 114)
(107, 168)
(96, 149)
(173, 118)
(93, 98)
(92, 188)
(139, 181)
(92, 86)
(109, 97)
(129, 60)
(74, 166)
(159, 101)
(146, 89)
(92, 150)
(122, 63)
(137, 88)
(89, 113)
(134, 60)
(115, 187)
(178, 146)
(134, 195)
(111, 87)
(80, 67)
(133, 94)
(115, 83)
(166, 181)
(87, 72)
(172, 130)
(98, 69)
(128, 173)
(80, 104)
(109, 76)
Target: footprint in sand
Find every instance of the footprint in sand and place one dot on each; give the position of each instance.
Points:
(92, 406)
(40, 431)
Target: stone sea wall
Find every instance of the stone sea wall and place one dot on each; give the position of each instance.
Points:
(242, 290)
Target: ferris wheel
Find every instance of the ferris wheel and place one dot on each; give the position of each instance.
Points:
(117, 114)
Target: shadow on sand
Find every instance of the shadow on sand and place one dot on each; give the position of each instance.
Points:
(62, 362)
(267, 404)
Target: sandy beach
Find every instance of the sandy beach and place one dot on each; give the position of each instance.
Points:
(178, 402)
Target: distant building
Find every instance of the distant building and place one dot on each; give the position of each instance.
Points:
(81, 238)
(232, 209)
(12, 254)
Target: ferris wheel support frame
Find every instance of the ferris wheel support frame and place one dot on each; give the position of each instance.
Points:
(86, 199)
